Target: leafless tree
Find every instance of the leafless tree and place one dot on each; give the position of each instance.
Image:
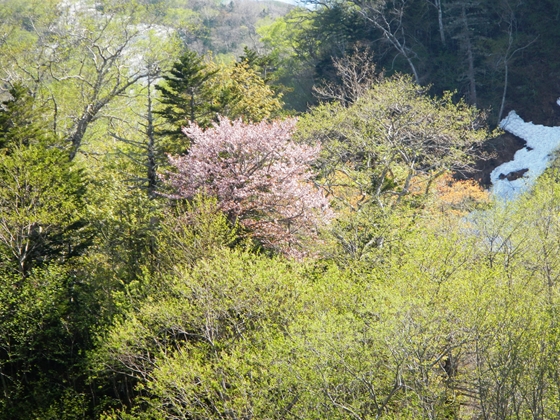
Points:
(462, 25)
(508, 16)
(388, 17)
(357, 75)
(145, 150)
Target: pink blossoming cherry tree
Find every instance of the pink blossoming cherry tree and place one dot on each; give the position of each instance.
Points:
(262, 180)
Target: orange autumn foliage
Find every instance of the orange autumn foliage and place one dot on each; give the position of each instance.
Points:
(458, 197)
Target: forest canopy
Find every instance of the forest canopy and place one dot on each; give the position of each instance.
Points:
(251, 210)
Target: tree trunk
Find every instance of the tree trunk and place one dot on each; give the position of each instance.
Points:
(437, 5)
(150, 132)
(440, 21)
(470, 57)
(79, 131)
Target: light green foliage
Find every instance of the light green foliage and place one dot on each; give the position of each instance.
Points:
(119, 305)
(282, 39)
(440, 326)
(515, 334)
(431, 331)
(79, 63)
(281, 35)
(196, 343)
(41, 208)
(242, 93)
(23, 23)
(381, 154)
(194, 230)
(393, 135)
(366, 235)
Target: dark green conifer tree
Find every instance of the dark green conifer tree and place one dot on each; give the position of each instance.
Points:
(186, 95)
(262, 64)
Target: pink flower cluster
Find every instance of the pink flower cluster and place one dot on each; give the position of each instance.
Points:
(262, 179)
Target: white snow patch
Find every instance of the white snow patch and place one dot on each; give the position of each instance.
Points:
(541, 141)
(558, 101)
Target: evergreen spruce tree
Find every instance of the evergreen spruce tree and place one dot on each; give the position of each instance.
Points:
(186, 95)
(262, 64)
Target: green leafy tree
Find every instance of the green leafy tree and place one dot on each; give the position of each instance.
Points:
(43, 232)
(211, 320)
(242, 93)
(296, 47)
(41, 195)
(381, 153)
(392, 141)
(41, 209)
(78, 62)
(265, 65)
